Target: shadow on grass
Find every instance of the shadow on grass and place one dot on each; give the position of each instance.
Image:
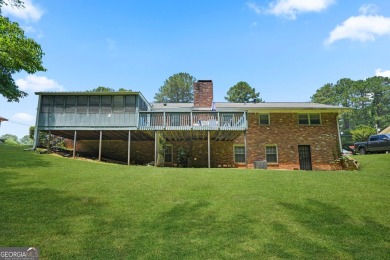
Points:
(43, 217)
(327, 231)
(192, 229)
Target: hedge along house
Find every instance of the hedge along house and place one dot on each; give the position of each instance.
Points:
(126, 127)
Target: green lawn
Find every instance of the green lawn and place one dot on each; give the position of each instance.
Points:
(82, 209)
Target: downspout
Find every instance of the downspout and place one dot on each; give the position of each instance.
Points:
(36, 132)
(339, 134)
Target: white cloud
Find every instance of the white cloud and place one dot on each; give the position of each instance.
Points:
(368, 9)
(30, 12)
(254, 7)
(361, 28)
(35, 83)
(383, 73)
(31, 30)
(290, 8)
(23, 118)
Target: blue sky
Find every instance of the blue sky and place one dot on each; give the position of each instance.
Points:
(286, 49)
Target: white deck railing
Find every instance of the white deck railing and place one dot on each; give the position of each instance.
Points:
(192, 120)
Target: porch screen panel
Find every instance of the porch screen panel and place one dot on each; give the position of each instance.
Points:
(70, 104)
(118, 104)
(82, 104)
(130, 104)
(47, 104)
(106, 105)
(59, 104)
(94, 104)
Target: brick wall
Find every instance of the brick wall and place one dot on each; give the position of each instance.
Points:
(285, 132)
(203, 93)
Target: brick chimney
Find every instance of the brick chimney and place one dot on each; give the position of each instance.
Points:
(203, 93)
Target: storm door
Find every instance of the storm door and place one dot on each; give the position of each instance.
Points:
(304, 157)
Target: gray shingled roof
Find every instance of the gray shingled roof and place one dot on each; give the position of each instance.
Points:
(249, 106)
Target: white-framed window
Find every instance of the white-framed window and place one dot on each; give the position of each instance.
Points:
(239, 153)
(271, 153)
(309, 119)
(168, 154)
(264, 119)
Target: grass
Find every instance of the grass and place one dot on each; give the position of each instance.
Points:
(82, 209)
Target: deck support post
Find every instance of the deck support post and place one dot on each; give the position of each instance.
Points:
(128, 148)
(245, 150)
(208, 148)
(100, 145)
(74, 143)
(155, 148)
(48, 142)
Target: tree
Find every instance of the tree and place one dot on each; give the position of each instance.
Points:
(176, 89)
(125, 90)
(361, 133)
(102, 89)
(369, 98)
(17, 53)
(242, 92)
(13, 3)
(26, 140)
(10, 138)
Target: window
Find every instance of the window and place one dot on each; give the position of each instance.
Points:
(264, 119)
(271, 153)
(168, 153)
(82, 104)
(239, 153)
(47, 104)
(59, 104)
(94, 104)
(309, 119)
(106, 105)
(70, 104)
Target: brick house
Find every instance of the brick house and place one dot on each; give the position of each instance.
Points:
(125, 126)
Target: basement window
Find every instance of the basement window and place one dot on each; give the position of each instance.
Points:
(271, 153)
(239, 154)
(168, 153)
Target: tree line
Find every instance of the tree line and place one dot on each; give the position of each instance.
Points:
(369, 100)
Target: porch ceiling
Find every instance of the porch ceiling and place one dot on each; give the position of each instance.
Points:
(201, 135)
(149, 135)
(107, 135)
